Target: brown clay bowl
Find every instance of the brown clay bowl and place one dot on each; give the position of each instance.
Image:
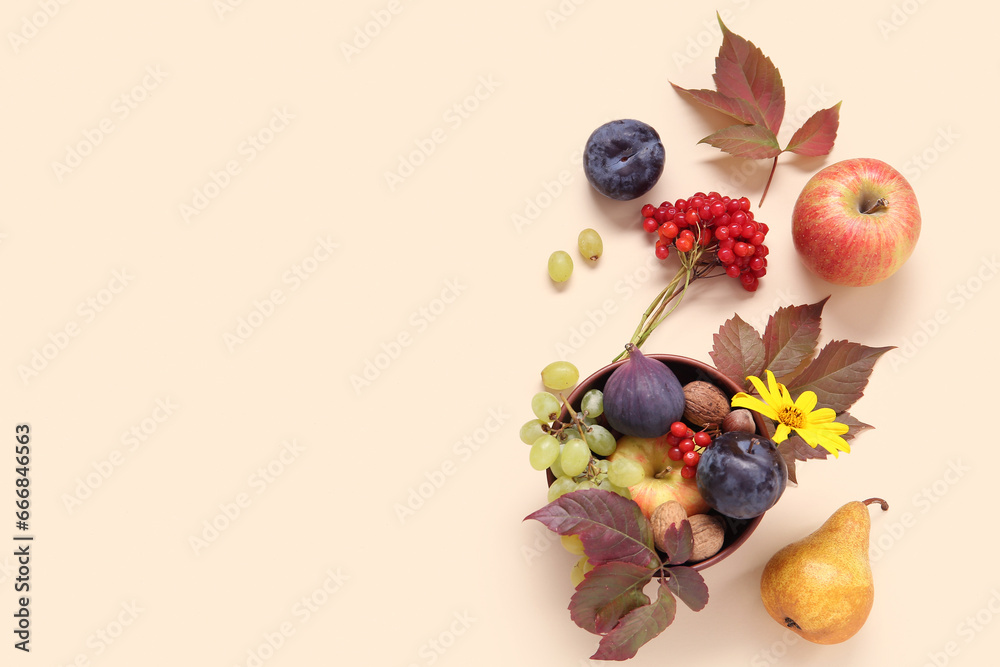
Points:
(686, 370)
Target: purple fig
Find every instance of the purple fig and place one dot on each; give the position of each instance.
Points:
(643, 397)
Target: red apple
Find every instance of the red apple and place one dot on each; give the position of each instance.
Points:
(856, 222)
(662, 481)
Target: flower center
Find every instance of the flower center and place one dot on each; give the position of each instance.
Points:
(791, 416)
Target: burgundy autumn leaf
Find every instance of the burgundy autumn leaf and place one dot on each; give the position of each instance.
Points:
(638, 627)
(854, 425)
(750, 141)
(743, 72)
(734, 108)
(795, 449)
(790, 338)
(689, 586)
(817, 134)
(611, 527)
(607, 593)
(678, 542)
(839, 374)
(738, 351)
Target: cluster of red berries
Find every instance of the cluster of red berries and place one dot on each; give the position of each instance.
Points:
(686, 446)
(721, 224)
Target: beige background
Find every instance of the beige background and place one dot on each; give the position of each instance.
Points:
(130, 303)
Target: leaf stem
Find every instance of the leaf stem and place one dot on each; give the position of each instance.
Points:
(774, 165)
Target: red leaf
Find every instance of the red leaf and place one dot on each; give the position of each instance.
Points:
(678, 542)
(607, 593)
(816, 136)
(735, 108)
(738, 351)
(638, 627)
(688, 584)
(611, 527)
(743, 72)
(839, 374)
(795, 449)
(750, 141)
(790, 337)
(854, 425)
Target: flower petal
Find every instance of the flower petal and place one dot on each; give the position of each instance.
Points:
(821, 416)
(742, 400)
(777, 390)
(781, 434)
(807, 401)
(759, 386)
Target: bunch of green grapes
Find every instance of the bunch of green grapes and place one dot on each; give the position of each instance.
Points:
(575, 451)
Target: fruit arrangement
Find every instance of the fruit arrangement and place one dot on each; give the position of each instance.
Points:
(659, 466)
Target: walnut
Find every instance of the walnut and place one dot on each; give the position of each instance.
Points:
(664, 516)
(709, 534)
(704, 404)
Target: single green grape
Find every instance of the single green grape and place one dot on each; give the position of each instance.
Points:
(560, 266)
(590, 244)
(572, 544)
(556, 469)
(531, 431)
(545, 406)
(580, 570)
(544, 452)
(601, 441)
(593, 403)
(625, 472)
(561, 487)
(623, 491)
(560, 375)
(575, 457)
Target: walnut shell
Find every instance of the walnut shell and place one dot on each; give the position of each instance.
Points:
(664, 516)
(704, 404)
(709, 534)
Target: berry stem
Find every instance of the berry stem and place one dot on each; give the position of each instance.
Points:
(774, 165)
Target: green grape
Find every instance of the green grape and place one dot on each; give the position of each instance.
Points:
(593, 403)
(602, 465)
(544, 452)
(545, 406)
(580, 570)
(623, 491)
(625, 472)
(531, 431)
(556, 469)
(575, 457)
(571, 433)
(560, 266)
(585, 484)
(572, 544)
(590, 244)
(561, 487)
(601, 441)
(560, 375)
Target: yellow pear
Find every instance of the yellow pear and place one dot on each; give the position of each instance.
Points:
(821, 587)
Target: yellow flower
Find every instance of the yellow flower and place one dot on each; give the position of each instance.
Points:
(816, 427)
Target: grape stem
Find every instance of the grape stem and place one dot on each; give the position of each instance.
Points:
(577, 418)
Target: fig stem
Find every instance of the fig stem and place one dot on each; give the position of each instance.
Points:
(881, 502)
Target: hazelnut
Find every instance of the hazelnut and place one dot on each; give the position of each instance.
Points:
(739, 420)
(709, 533)
(704, 404)
(664, 516)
